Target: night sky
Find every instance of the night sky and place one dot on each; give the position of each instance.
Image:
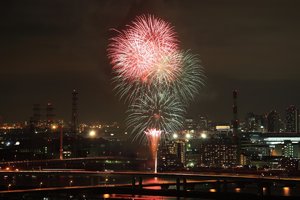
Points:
(49, 47)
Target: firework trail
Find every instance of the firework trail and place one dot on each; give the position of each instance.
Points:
(153, 136)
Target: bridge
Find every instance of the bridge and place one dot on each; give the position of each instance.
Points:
(166, 184)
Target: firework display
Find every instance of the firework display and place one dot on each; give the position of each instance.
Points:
(146, 51)
(155, 77)
(190, 79)
(155, 111)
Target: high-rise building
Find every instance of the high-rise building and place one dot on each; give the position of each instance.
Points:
(218, 153)
(235, 121)
(36, 118)
(202, 123)
(292, 119)
(288, 150)
(235, 125)
(172, 155)
(181, 151)
(49, 114)
(254, 122)
(273, 121)
(189, 124)
(74, 117)
(211, 152)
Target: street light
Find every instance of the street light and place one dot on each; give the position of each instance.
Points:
(92, 133)
(188, 136)
(175, 136)
(203, 136)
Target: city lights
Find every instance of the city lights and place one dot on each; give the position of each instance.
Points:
(203, 136)
(175, 135)
(188, 136)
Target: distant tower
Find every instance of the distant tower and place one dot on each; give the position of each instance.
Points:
(36, 118)
(49, 114)
(235, 121)
(292, 119)
(74, 118)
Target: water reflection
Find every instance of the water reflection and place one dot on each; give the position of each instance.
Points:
(212, 190)
(141, 197)
(264, 190)
(286, 191)
(153, 181)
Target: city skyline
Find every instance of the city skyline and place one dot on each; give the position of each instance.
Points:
(49, 49)
(148, 99)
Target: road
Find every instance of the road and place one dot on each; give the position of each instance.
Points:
(206, 175)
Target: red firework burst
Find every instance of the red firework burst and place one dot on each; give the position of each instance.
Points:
(147, 51)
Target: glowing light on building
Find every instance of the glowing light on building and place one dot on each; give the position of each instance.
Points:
(223, 128)
(54, 127)
(280, 140)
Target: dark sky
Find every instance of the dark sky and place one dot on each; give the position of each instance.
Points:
(49, 47)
